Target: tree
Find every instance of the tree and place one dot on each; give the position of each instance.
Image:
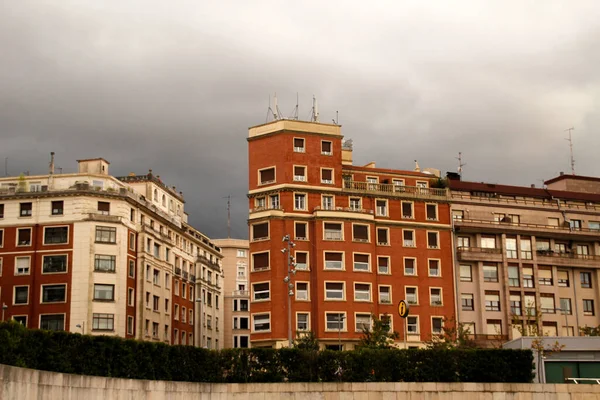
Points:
(380, 336)
(590, 330)
(306, 341)
(454, 335)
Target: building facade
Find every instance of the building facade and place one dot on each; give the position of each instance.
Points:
(527, 256)
(91, 253)
(236, 322)
(364, 238)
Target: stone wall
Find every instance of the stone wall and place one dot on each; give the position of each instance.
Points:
(25, 384)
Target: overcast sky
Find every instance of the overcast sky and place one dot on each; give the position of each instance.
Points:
(174, 85)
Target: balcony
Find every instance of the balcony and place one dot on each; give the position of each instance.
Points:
(240, 293)
(185, 275)
(206, 261)
(388, 189)
(479, 254)
(192, 278)
(480, 225)
(567, 259)
(98, 217)
(274, 207)
(177, 271)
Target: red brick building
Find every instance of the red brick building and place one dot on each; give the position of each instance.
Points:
(365, 238)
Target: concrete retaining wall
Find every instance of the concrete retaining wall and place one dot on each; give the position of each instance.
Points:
(25, 384)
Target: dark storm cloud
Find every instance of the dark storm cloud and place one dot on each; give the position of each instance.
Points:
(174, 86)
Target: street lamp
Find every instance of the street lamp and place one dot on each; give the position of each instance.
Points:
(82, 327)
(341, 319)
(4, 308)
(291, 264)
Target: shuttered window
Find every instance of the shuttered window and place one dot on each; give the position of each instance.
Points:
(260, 261)
(360, 233)
(267, 175)
(326, 147)
(300, 231)
(326, 175)
(382, 237)
(260, 231)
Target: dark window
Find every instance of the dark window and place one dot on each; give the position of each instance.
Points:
(243, 305)
(104, 207)
(325, 147)
(103, 322)
(21, 294)
(1, 210)
(298, 144)
(56, 235)
(106, 234)
(54, 322)
(261, 291)
(260, 261)
(300, 230)
(406, 210)
(431, 211)
(299, 171)
(326, 175)
(382, 236)
(267, 175)
(104, 263)
(360, 233)
(432, 240)
(57, 207)
(467, 302)
(260, 231)
(104, 292)
(588, 307)
(586, 280)
(24, 236)
(54, 264)
(1, 237)
(21, 319)
(54, 293)
(26, 209)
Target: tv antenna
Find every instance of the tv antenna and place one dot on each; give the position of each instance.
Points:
(314, 112)
(228, 197)
(295, 112)
(274, 111)
(460, 164)
(337, 118)
(570, 139)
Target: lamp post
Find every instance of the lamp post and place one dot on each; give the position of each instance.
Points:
(4, 308)
(291, 264)
(341, 319)
(82, 327)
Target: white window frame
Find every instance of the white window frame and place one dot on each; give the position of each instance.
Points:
(437, 214)
(415, 265)
(305, 201)
(354, 262)
(439, 263)
(297, 291)
(300, 178)
(416, 303)
(253, 325)
(307, 321)
(389, 292)
(386, 208)
(389, 265)
(417, 324)
(343, 298)
(414, 238)
(441, 303)
(259, 182)
(262, 291)
(306, 230)
(437, 244)
(370, 292)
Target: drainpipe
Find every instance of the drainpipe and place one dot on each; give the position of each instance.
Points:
(454, 270)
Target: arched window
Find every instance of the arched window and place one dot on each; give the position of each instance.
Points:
(155, 195)
(178, 209)
(164, 200)
(170, 205)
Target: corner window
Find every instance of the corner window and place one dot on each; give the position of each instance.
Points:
(260, 231)
(267, 176)
(299, 201)
(326, 148)
(106, 234)
(104, 207)
(260, 261)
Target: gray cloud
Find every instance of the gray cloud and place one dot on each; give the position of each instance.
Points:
(174, 86)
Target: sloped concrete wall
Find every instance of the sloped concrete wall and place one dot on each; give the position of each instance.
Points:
(25, 384)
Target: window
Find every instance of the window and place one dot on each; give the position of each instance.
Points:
(131, 241)
(383, 265)
(434, 267)
(332, 231)
(435, 296)
(326, 148)
(528, 277)
(588, 307)
(261, 291)
(560, 248)
(334, 260)
(259, 203)
(466, 301)
(408, 238)
(24, 237)
(382, 236)
(1, 210)
(575, 224)
(130, 297)
(241, 253)
(490, 273)
(301, 261)
(184, 317)
(431, 211)
(299, 173)
(407, 210)
(260, 261)
(545, 276)
(131, 271)
(362, 292)
(563, 278)
(465, 273)
(156, 250)
(515, 304)
(21, 295)
(22, 265)
(412, 325)
(261, 322)
(156, 277)
(436, 325)
(489, 242)
(240, 323)
(385, 294)
(335, 321)
(267, 175)
(530, 304)
(57, 207)
(274, 200)
(511, 248)
(52, 322)
(360, 233)
(547, 303)
(494, 327)
(298, 145)
(565, 306)
(411, 295)
(105, 234)
(302, 291)
(104, 207)
(299, 201)
(582, 251)
(260, 231)
(594, 226)
(302, 321)
(1, 237)
(327, 202)
(553, 221)
(354, 204)
(56, 235)
(326, 176)
(104, 263)
(410, 267)
(334, 290)
(54, 293)
(104, 292)
(458, 215)
(243, 305)
(103, 322)
(54, 264)
(300, 231)
(586, 279)
(542, 245)
(381, 208)
(176, 312)
(362, 322)
(513, 276)
(25, 209)
(526, 249)
(433, 240)
(492, 301)
(21, 319)
(372, 182)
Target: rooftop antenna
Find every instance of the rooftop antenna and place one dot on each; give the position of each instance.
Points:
(228, 197)
(571, 149)
(295, 112)
(337, 118)
(273, 112)
(315, 111)
(278, 113)
(460, 164)
(5, 166)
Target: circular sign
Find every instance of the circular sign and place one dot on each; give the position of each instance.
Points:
(403, 309)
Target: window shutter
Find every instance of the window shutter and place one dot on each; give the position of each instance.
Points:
(333, 256)
(326, 175)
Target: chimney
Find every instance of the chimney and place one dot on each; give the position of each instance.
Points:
(51, 171)
(561, 173)
(533, 186)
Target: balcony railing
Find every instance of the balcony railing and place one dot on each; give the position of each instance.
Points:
(185, 275)
(192, 278)
(332, 235)
(177, 271)
(395, 190)
(240, 293)
(528, 202)
(571, 256)
(265, 208)
(522, 226)
(344, 209)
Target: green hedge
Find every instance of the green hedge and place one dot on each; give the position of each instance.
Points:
(116, 357)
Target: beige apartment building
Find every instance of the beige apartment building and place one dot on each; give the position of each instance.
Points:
(92, 253)
(522, 249)
(237, 297)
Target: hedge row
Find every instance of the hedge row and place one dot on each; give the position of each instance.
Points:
(116, 357)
